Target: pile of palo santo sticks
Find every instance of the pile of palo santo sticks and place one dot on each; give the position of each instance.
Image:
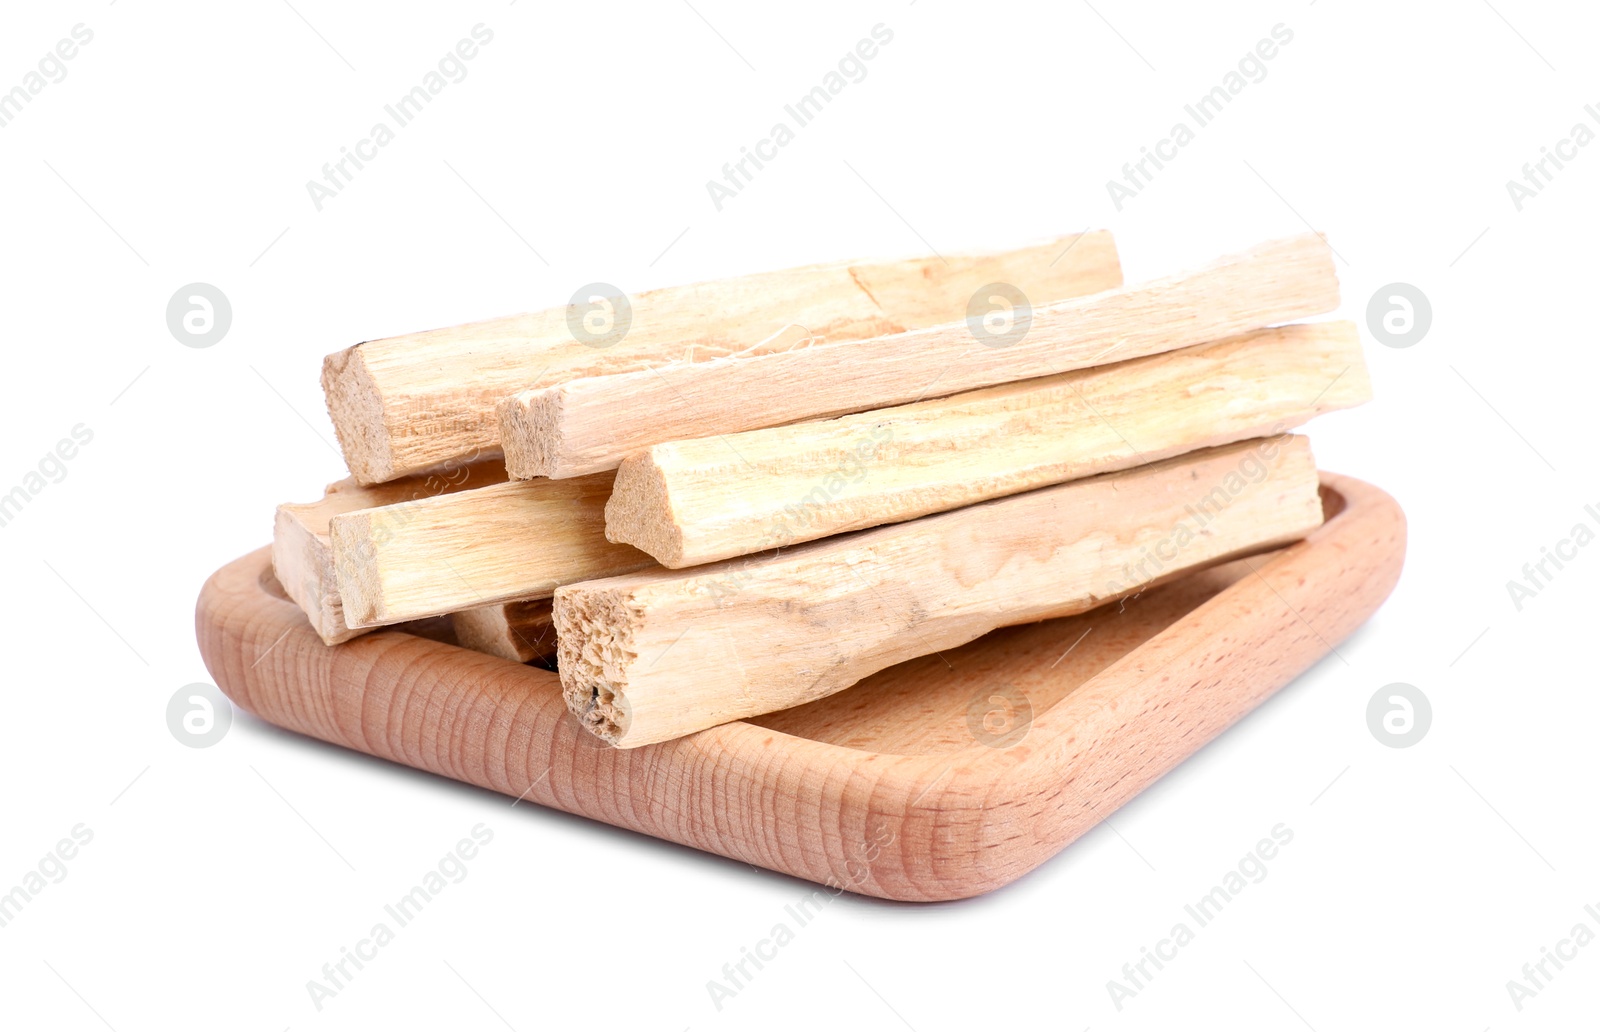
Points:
(709, 502)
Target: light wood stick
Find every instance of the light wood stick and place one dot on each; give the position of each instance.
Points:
(593, 423)
(403, 404)
(507, 542)
(302, 558)
(302, 551)
(913, 759)
(693, 502)
(654, 656)
(521, 631)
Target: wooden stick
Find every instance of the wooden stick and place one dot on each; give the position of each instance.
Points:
(912, 760)
(302, 559)
(692, 502)
(404, 404)
(521, 631)
(591, 424)
(302, 552)
(512, 541)
(655, 656)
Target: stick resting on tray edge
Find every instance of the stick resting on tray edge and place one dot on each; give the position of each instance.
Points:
(649, 657)
(505, 542)
(302, 549)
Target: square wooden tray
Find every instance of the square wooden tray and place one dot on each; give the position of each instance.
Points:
(937, 779)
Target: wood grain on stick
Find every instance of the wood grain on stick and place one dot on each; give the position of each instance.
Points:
(302, 551)
(507, 542)
(590, 424)
(653, 656)
(693, 502)
(404, 404)
(520, 631)
(898, 787)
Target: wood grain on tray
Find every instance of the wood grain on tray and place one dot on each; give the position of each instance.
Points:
(918, 760)
(799, 544)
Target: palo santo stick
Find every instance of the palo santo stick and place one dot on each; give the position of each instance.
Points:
(404, 404)
(591, 424)
(302, 552)
(519, 631)
(653, 656)
(692, 502)
(518, 540)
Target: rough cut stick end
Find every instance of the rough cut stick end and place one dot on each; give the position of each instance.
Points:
(640, 511)
(304, 569)
(594, 649)
(362, 596)
(356, 408)
(529, 421)
(798, 627)
(519, 631)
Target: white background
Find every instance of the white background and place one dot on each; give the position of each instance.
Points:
(177, 149)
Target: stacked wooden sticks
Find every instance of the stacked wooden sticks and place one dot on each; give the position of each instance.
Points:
(709, 502)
